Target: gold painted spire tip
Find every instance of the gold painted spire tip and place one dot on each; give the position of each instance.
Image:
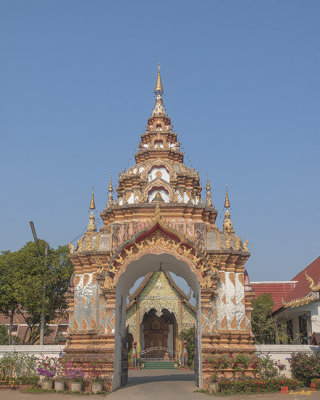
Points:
(227, 201)
(208, 183)
(92, 203)
(158, 88)
(110, 184)
(208, 188)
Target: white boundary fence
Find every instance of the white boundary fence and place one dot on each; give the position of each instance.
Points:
(282, 352)
(33, 350)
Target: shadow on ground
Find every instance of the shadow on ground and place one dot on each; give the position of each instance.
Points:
(139, 380)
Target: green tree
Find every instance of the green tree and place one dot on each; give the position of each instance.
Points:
(36, 282)
(4, 337)
(9, 272)
(265, 327)
(188, 335)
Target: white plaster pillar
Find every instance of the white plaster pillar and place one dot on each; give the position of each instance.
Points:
(315, 317)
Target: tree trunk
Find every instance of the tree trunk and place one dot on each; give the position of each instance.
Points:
(25, 335)
(10, 327)
(277, 334)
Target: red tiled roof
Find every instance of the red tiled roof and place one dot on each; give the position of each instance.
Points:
(278, 291)
(302, 288)
(297, 288)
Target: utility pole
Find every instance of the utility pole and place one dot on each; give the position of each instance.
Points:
(43, 317)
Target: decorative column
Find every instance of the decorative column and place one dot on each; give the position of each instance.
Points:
(179, 316)
(209, 334)
(137, 338)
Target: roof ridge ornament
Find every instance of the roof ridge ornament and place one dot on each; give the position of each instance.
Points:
(110, 198)
(92, 221)
(158, 110)
(208, 198)
(312, 286)
(227, 201)
(227, 224)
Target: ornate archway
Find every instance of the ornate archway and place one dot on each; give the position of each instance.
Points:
(181, 231)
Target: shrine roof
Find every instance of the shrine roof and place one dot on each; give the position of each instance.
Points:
(289, 291)
(145, 282)
(302, 288)
(278, 291)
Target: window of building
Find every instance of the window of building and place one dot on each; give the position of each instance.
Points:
(303, 330)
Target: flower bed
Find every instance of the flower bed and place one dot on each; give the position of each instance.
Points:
(256, 385)
(315, 383)
(305, 367)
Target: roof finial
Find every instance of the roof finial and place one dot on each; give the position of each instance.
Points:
(208, 198)
(92, 223)
(227, 201)
(158, 110)
(227, 224)
(110, 198)
(92, 203)
(158, 88)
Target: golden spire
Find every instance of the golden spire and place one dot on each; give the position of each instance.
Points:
(92, 203)
(227, 224)
(208, 198)
(110, 198)
(227, 202)
(158, 88)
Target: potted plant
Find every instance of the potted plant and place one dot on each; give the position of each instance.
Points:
(59, 383)
(75, 375)
(97, 385)
(242, 360)
(95, 376)
(59, 378)
(47, 368)
(214, 385)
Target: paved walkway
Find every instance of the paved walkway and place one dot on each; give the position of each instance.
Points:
(155, 385)
(158, 384)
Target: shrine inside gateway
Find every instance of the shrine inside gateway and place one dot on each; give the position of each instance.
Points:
(157, 313)
(159, 221)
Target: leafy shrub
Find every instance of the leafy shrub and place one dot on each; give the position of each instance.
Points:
(24, 364)
(257, 385)
(188, 335)
(4, 337)
(28, 380)
(73, 373)
(269, 368)
(305, 366)
(243, 360)
(220, 362)
(315, 383)
(48, 367)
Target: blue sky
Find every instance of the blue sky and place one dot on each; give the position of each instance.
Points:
(242, 86)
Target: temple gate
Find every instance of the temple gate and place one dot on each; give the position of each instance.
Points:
(159, 220)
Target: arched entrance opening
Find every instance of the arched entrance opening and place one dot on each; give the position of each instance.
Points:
(158, 334)
(139, 268)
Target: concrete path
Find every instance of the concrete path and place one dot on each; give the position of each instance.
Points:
(158, 384)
